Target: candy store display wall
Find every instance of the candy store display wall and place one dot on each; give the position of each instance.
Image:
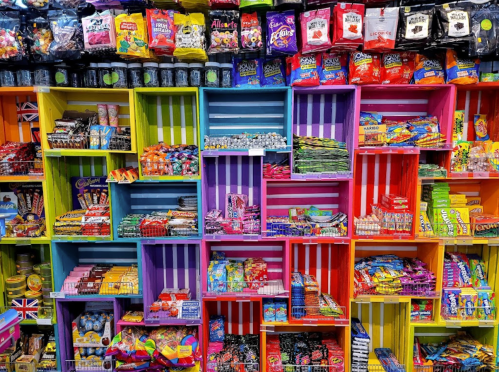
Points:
(249, 185)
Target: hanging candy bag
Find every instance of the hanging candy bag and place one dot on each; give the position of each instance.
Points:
(484, 24)
(189, 38)
(428, 70)
(460, 70)
(99, 32)
(381, 29)
(273, 74)
(453, 23)
(39, 36)
(348, 21)
(11, 46)
(397, 68)
(305, 70)
(315, 30)
(247, 73)
(251, 32)
(364, 68)
(415, 27)
(131, 35)
(223, 31)
(161, 30)
(281, 33)
(334, 70)
(68, 34)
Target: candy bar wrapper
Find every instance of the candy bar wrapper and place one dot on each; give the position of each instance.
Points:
(468, 301)
(450, 302)
(486, 304)
(235, 205)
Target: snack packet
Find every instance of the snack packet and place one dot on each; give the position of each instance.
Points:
(273, 74)
(251, 32)
(131, 35)
(68, 34)
(381, 29)
(347, 25)
(397, 68)
(453, 23)
(11, 46)
(364, 68)
(334, 69)
(161, 30)
(315, 30)
(40, 36)
(480, 124)
(189, 39)
(281, 33)
(305, 70)
(223, 31)
(247, 73)
(415, 26)
(461, 70)
(428, 71)
(99, 32)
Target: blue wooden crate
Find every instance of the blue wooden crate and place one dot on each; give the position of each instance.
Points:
(67, 255)
(225, 112)
(150, 196)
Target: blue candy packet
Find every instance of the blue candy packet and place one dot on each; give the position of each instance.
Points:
(273, 74)
(217, 328)
(247, 73)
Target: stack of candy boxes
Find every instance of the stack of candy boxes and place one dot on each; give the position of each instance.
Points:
(466, 293)
(92, 333)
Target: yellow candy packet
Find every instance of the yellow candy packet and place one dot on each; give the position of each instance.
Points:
(190, 38)
(131, 35)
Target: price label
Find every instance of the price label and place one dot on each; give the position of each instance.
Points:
(256, 152)
(57, 295)
(44, 321)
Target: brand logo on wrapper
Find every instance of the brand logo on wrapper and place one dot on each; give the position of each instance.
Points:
(283, 33)
(217, 23)
(130, 26)
(463, 225)
(486, 306)
(464, 273)
(453, 303)
(246, 68)
(308, 62)
(480, 273)
(392, 60)
(331, 63)
(450, 226)
(98, 25)
(81, 183)
(432, 64)
(271, 69)
(362, 58)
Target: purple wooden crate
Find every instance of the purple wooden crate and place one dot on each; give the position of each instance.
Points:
(230, 174)
(170, 265)
(326, 112)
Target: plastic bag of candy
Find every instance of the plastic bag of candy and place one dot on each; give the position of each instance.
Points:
(305, 70)
(428, 70)
(251, 32)
(247, 73)
(460, 70)
(281, 33)
(11, 46)
(381, 29)
(315, 30)
(39, 35)
(161, 30)
(397, 68)
(334, 69)
(224, 37)
(189, 39)
(347, 26)
(129, 345)
(173, 346)
(273, 74)
(453, 23)
(224, 4)
(364, 68)
(415, 27)
(68, 34)
(484, 24)
(131, 35)
(33, 4)
(99, 32)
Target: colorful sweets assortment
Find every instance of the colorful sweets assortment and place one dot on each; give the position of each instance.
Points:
(245, 141)
(165, 160)
(230, 351)
(286, 350)
(17, 158)
(320, 155)
(175, 303)
(391, 275)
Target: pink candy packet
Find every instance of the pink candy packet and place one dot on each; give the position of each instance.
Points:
(315, 30)
(99, 31)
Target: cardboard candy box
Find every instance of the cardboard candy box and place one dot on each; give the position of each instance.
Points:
(89, 332)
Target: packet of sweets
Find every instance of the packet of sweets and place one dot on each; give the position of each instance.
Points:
(131, 35)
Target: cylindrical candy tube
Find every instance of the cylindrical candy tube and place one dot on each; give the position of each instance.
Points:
(103, 116)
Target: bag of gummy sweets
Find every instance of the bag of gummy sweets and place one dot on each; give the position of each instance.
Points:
(273, 74)
(305, 70)
(334, 70)
(315, 30)
(453, 23)
(99, 32)
(161, 30)
(347, 25)
(39, 35)
(190, 42)
(224, 37)
(68, 34)
(247, 73)
(364, 68)
(11, 46)
(381, 29)
(131, 35)
(415, 27)
(397, 67)
(251, 32)
(484, 25)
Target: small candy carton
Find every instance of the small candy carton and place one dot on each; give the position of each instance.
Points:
(486, 304)
(478, 272)
(93, 329)
(450, 303)
(468, 301)
(92, 358)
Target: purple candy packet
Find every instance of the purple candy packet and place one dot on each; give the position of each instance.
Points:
(281, 33)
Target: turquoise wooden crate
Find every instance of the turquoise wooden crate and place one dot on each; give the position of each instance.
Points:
(225, 112)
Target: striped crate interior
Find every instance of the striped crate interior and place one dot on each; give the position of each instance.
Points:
(234, 111)
(274, 253)
(15, 128)
(326, 112)
(241, 318)
(401, 102)
(279, 197)
(384, 174)
(327, 262)
(66, 256)
(170, 266)
(230, 174)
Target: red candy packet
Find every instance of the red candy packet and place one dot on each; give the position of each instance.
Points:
(315, 30)
(397, 68)
(381, 29)
(161, 30)
(348, 21)
(305, 70)
(364, 68)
